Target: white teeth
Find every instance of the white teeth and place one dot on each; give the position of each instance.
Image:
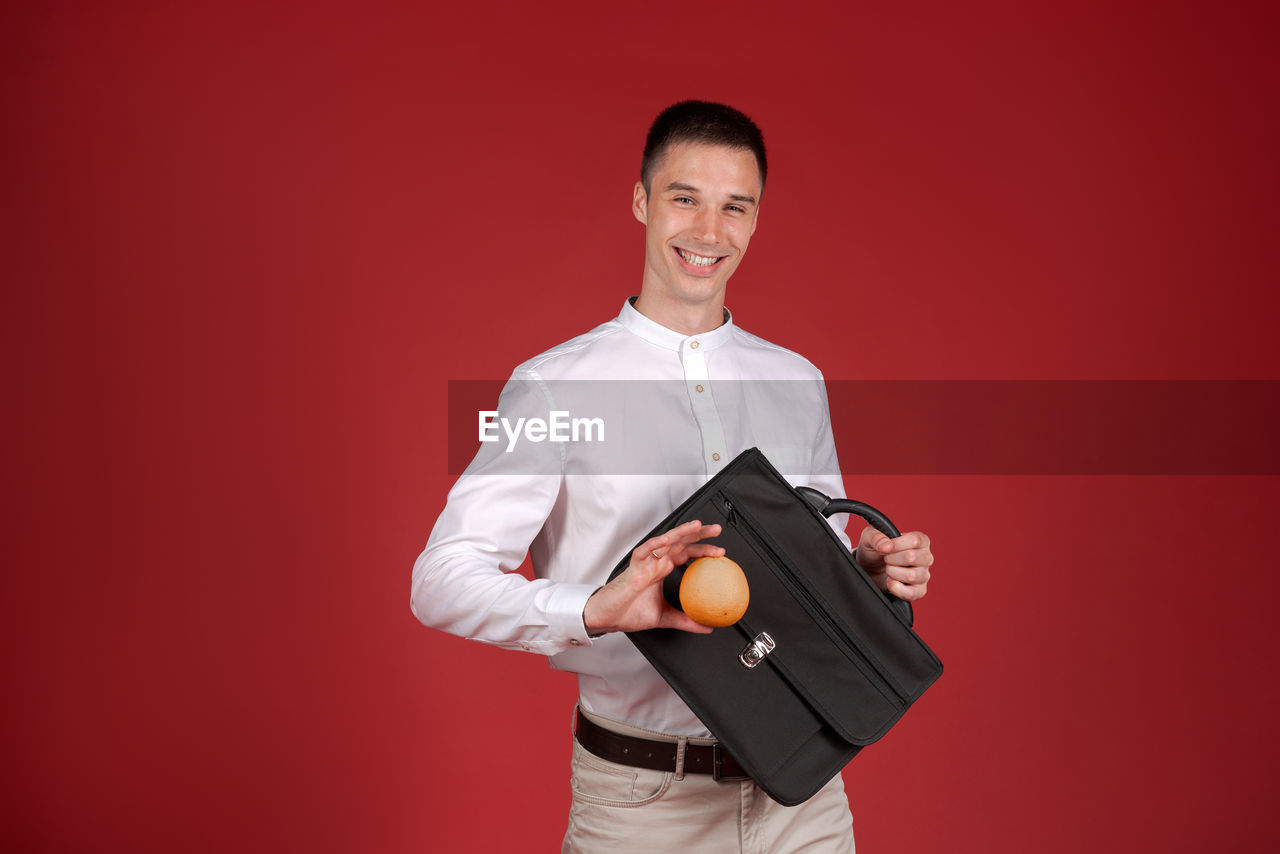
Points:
(697, 260)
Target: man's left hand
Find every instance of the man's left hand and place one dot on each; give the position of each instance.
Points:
(900, 565)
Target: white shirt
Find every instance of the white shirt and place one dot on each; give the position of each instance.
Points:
(675, 409)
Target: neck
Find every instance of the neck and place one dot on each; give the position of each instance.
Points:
(685, 318)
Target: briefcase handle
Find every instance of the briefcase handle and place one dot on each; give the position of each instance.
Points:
(831, 506)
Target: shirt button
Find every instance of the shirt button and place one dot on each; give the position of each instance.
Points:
(699, 389)
(524, 646)
(715, 457)
(693, 345)
(575, 642)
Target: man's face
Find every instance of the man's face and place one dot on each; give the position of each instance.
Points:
(699, 215)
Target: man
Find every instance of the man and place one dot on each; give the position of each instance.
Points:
(702, 179)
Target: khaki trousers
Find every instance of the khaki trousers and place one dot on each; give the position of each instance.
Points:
(618, 809)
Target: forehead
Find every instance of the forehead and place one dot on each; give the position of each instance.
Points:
(714, 168)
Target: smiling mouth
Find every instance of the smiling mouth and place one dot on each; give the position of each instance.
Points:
(699, 260)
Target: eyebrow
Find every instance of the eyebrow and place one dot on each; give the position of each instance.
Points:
(676, 185)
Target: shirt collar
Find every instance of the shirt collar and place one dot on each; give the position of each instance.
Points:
(656, 333)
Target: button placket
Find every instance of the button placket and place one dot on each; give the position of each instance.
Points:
(702, 400)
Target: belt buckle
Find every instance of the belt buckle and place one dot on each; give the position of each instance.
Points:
(717, 761)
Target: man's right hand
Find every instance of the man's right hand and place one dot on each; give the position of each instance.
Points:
(633, 601)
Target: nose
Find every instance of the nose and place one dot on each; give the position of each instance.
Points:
(706, 225)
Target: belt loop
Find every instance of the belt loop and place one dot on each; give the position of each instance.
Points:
(681, 741)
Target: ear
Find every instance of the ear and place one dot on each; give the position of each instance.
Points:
(640, 203)
(755, 220)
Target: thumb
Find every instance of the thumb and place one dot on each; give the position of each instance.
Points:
(874, 542)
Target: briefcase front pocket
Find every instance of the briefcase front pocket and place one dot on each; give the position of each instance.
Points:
(822, 661)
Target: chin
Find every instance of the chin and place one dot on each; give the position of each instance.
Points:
(700, 295)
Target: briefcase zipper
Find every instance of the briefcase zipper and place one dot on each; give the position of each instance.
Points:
(787, 575)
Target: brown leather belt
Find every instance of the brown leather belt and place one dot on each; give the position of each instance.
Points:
(656, 755)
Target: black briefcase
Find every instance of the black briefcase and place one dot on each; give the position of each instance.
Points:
(821, 664)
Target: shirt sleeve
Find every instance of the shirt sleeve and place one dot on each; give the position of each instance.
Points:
(463, 581)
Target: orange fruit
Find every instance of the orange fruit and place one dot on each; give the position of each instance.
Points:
(714, 591)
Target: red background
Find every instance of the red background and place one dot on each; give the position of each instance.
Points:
(245, 248)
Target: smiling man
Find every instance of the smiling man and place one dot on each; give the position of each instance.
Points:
(698, 201)
(638, 784)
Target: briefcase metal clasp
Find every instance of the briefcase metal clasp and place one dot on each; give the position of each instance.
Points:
(757, 650)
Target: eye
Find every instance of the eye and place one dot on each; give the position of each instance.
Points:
(683, 200)
(736, 208)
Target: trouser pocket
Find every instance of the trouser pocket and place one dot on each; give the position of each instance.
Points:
(604, 783)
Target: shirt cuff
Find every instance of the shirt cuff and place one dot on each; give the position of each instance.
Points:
(564, 612)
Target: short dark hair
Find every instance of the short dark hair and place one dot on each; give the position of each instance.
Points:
(703, 122)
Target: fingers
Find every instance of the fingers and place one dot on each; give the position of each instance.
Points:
(910, 540)
(873, 542)
(656, 557)
(876, 541)
(910, 557)
(651, 549)
(902, 562)
(910, 592)
(691, 532)
(909, 561)
(675, 542)
(701, 550)
(910, 549)
(673, 619)
(908, 574)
